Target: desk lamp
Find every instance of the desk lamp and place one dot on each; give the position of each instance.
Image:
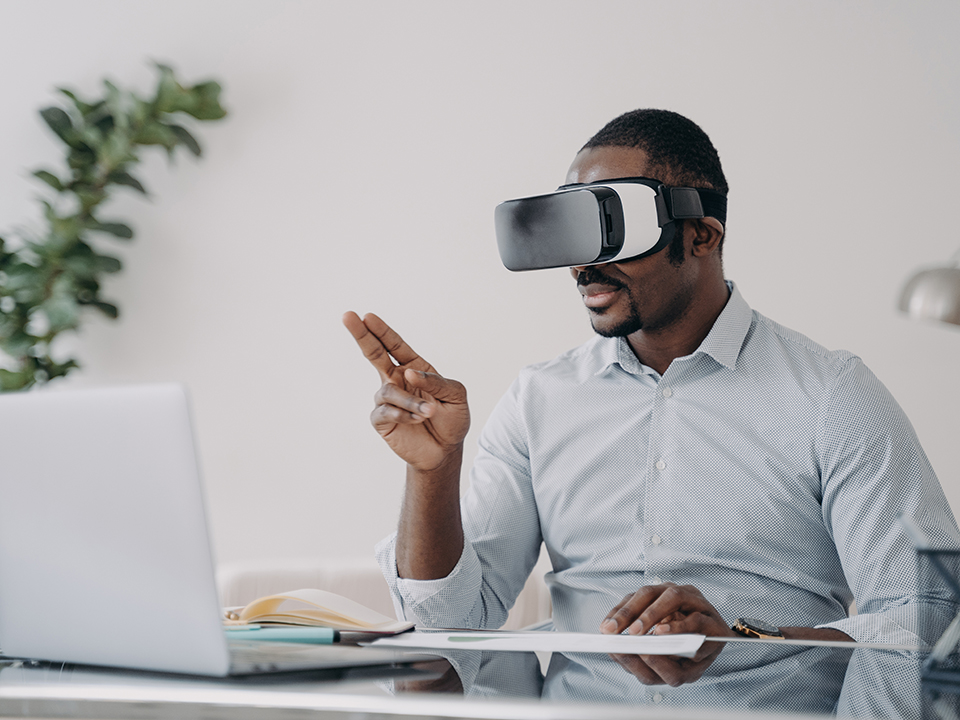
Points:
(934, 293)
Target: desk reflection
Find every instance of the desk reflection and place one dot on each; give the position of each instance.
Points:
(846, 683)
(746, 678)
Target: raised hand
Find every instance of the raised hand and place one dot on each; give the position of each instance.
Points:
(423, 416)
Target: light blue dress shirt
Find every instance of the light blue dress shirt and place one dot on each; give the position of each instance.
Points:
(764, 469)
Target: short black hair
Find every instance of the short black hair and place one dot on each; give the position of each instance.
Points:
(679, 151)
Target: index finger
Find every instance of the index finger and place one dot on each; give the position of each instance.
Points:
(686, 600)
(395, 344)
(629, 609)
(370, 345)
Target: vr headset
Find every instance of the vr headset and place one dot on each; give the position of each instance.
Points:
(602, 222)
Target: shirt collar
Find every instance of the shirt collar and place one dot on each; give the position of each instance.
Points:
(722, 343)
(725, 339)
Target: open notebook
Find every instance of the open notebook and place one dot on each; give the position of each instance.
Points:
(104, 552)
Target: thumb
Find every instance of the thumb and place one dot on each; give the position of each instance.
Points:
(443, 389)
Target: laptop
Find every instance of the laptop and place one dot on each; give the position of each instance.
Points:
(105, 556)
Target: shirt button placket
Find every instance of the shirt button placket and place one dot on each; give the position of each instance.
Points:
(654, 498)
(654, 541)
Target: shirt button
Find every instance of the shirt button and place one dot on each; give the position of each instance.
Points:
(661, 465)
(657, 697)
(666, 391)
(655, 580)
(655, 539)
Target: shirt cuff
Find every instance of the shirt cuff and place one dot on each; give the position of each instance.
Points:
(875, 628)
(443, 602)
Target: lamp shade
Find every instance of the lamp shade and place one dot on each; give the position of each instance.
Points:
(933, 294)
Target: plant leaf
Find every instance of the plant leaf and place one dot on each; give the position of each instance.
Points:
(22, 277)
(108, 309)
(186, 138)
(117, 104)
(156, 133)
(119, 177)
(81, 158)
(55, 370)
(90, 137)
(81, 262)
(61, 308)
(117, 229)
(89, 196)
(73, 96)
(63, 230)
(18, 344)
(59, 122)
(115, 151)
(105, 124)
(206, 102)
(169, 92)
(84, 108)
(11, 381)
(87, 289)
(108, 264)
(50, 179)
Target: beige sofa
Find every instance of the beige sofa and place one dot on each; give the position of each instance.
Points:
(242, 582)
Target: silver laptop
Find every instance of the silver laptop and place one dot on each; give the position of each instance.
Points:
(104, 553)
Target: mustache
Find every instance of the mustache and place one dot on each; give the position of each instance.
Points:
(591, 276)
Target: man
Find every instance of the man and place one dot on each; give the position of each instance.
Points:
(692, 464)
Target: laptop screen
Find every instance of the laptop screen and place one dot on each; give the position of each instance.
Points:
(104, 551)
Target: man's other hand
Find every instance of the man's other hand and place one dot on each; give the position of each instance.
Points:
(667, 609)
(423, 416)
(668, 669)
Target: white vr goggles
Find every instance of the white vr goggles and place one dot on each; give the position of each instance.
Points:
(602, 222)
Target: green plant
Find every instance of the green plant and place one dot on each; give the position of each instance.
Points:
(47, 278)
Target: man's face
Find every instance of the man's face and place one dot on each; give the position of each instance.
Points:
(648, 294)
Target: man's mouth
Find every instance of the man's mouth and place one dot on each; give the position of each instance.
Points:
(598, 295)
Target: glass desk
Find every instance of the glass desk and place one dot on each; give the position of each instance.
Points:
(746, 680)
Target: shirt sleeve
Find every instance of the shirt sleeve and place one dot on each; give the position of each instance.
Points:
(501, 535)
(873, 470)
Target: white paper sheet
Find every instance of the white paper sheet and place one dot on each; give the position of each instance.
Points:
(683, 645)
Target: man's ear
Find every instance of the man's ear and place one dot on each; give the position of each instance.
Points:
(708, 232)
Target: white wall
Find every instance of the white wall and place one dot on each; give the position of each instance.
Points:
(366, 147)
